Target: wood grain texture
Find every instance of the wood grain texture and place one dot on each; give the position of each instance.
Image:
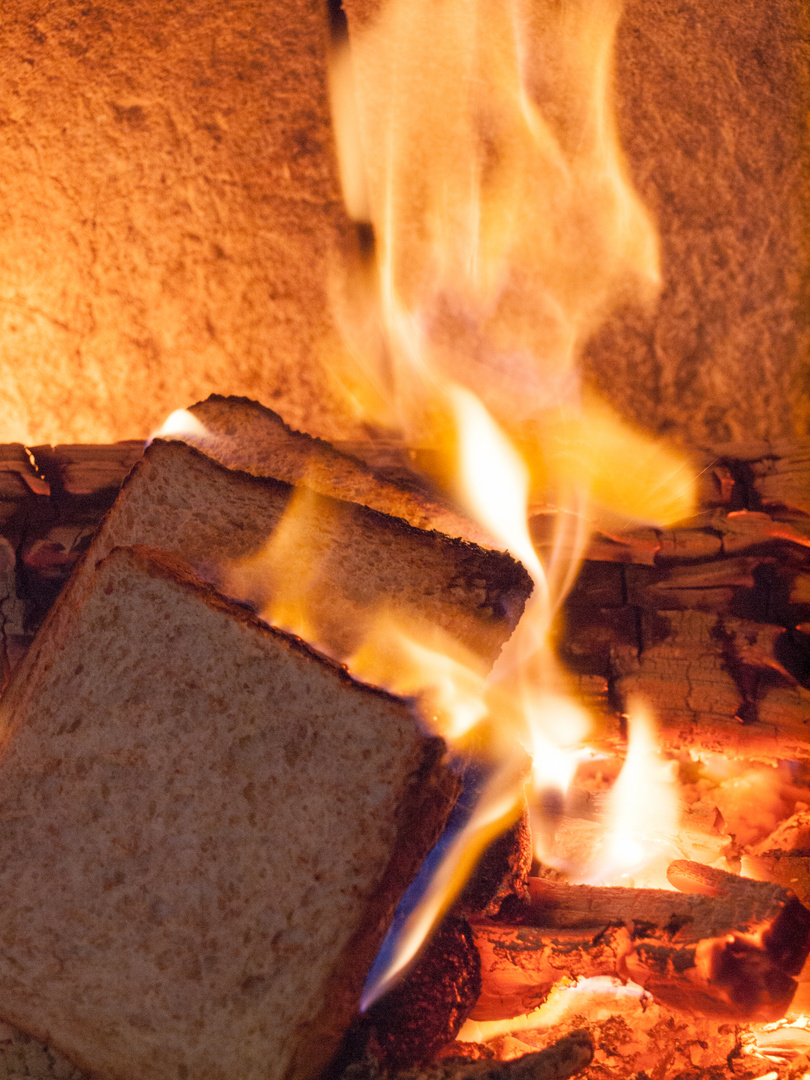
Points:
(733, 952)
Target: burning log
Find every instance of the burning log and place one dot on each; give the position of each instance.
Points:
(734, 953)
(147, 779)
(633, 1035)
(783, 856)
(715, 683)
(424, 1012)
(781, 476)
(501, 873)
(563, 1058)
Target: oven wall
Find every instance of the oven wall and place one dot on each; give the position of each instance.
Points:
(169, 211)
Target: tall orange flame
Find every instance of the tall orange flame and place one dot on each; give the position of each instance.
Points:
(506, 229)
(479, 140)
(483, 142)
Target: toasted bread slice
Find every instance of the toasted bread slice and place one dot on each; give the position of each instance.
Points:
(206, 826)
(243, 434)
(181, 501)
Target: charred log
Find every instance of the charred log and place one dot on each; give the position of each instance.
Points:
(567, 1057)
(733, 953)
(425, 1011)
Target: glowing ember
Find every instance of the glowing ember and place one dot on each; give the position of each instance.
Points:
(569, 998)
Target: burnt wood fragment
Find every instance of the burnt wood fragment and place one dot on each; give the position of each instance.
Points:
(425, 1010)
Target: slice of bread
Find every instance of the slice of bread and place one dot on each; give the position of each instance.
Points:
(181, 501)
(243, 434)
(206, 826)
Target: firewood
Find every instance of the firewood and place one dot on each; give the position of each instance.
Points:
(86, 469)
(633, 1034)
(680, 545)
(703, 586)
(742, 530)
(424, 1011)
(564, 1058)
(801, 589)
(712, 686)
(19, 478)
(502, 872)
(731, 954)
(782, 478)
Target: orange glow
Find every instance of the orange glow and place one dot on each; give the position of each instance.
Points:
(481, 143)
(345, 122)
(497, 808)
(484, 141)
(505, 229)
(596, 997)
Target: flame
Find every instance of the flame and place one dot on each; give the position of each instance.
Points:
(497, 808)
(479, 142)
(483, 303)
(523, 703)
(643, 805)
(426, 662)
(182, 425)
(281, 578)
(342, 97)
(506, 229)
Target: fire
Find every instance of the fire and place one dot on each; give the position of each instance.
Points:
(506, 227)
(280, 580)
(495, 811)
(181, 424)
(643, 808)
(480, 143)
(424, 661)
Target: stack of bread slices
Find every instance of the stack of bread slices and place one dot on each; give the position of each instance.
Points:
(206, 824)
